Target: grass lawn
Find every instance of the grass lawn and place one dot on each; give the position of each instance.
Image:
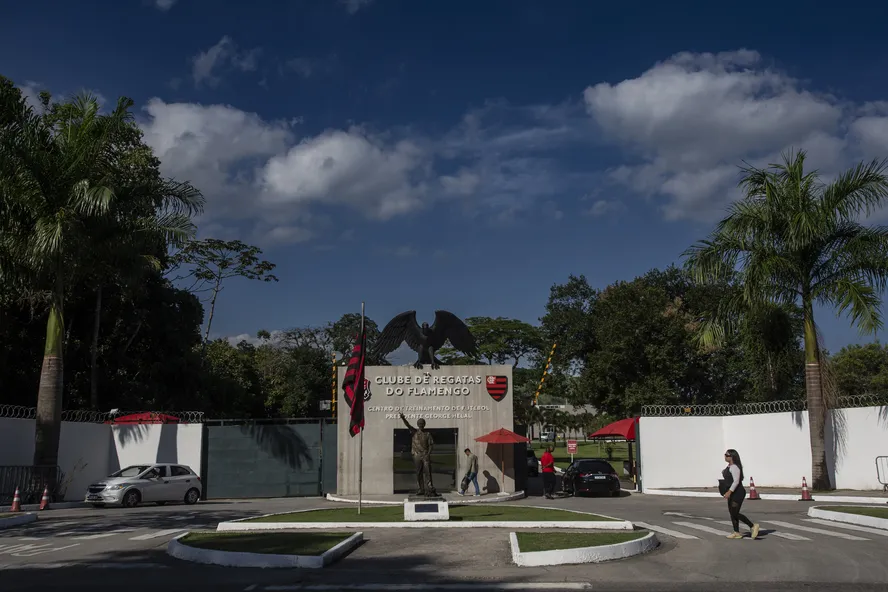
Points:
(471, 513)
(548, 541)
(279, 543)
(586, 450)
(871, 512)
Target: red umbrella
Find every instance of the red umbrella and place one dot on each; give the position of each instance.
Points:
(502, 436)
(625, 428)
(145, 418)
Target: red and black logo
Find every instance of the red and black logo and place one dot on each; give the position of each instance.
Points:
(497, 387)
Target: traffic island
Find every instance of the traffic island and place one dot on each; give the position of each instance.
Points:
(535, 549)
(273, 550)
(869, 516)
(10, 520)
(498, 516)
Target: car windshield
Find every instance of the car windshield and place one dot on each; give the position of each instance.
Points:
(594, 466)
(133, 471)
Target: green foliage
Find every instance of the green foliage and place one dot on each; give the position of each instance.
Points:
(861, 369)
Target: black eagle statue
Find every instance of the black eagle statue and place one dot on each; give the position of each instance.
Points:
(425, 340)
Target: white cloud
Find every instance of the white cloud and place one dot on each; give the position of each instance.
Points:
(603, 207)
(348, 167)
(164, 5)
(693, 119)
(206, 64)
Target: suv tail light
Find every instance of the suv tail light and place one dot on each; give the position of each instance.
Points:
(198, 477)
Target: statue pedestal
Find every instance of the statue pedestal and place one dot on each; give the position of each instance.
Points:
(418, 508)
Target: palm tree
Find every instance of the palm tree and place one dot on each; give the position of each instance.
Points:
(56, 174)
(794, 240)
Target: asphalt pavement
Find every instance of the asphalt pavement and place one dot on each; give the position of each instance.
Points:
(76, 549)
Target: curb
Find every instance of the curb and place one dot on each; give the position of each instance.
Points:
(582, 554)
(817, 512)
(17, 520)
(245, 524)
(243, 559)
(774, 497)
(58, 506)
(491, 498)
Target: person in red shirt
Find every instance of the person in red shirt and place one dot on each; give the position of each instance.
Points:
(547, 462)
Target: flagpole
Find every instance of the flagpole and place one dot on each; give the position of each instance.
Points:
(360, 392)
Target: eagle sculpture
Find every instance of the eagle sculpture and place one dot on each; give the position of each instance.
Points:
(425, 340)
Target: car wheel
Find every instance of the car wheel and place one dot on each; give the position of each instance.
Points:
(192, 496)
(131, 499)
(615, 493)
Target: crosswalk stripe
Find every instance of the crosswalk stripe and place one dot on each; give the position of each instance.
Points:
(59, 524)
(883, 533)
(154, 535)
(840, 535)
(666, 531)
(703, 528)
(783, 535)
(102, 535)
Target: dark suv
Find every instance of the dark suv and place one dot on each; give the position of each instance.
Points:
(590, 475)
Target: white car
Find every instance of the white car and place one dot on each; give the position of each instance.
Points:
(158, 483)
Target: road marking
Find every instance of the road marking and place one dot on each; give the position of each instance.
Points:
(41, 551)
(154, 535)
(29, 538)
(102, 535)
(683, 515)
(66, 533)
(703, 528)
(410, 587)
(848, 526)
(783, 535)
(840, 535)
(666, 531)
(60, 524)
(37, 565)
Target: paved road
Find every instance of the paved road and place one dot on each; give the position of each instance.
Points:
(76, 549)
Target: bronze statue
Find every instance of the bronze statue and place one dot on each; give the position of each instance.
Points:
(421, 445)
(426, 340)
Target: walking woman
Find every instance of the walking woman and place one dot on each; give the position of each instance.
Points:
(735, 494)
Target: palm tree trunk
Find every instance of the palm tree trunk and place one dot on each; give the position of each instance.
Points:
(50, 391)
(816, 407)
(94, 354)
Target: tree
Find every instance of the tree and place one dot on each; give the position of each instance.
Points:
(211, 261)
(568, 322)
(55, 176)
(500, 341)
(797, 241)
(861, 369)
(341, 336)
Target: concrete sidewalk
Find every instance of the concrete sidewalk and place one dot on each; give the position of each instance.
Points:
(844, 496)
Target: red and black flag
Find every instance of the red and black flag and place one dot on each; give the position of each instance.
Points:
(353, 385)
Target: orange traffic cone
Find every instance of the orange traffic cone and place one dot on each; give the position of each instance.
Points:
(16, 502)
(806, 496)
(44, 501)
(753, 494)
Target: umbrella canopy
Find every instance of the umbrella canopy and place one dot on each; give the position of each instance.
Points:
(145, 418)
(502, 436)
(625, 428)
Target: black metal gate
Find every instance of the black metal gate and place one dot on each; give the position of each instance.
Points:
(279, 458)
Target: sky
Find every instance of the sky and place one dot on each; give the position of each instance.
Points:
(466, 156)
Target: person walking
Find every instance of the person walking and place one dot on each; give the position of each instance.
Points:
(732, 481)
(471, 475)
(547, 462)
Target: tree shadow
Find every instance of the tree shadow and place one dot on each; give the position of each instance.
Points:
(131, 433)
(168, 444)
(282, 443)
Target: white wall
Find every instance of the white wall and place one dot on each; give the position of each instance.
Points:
(91, 451)
(680, 451)
(16, 442)
(83, 456)
(775, 448)
(148, 443)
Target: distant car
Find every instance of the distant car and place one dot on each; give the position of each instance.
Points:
(590, 475)
(533, 463)
(158, 483)
(547, 437)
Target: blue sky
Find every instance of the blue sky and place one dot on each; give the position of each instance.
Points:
(463, 155)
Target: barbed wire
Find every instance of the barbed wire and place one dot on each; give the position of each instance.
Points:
(89, 416)
(759, 407)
